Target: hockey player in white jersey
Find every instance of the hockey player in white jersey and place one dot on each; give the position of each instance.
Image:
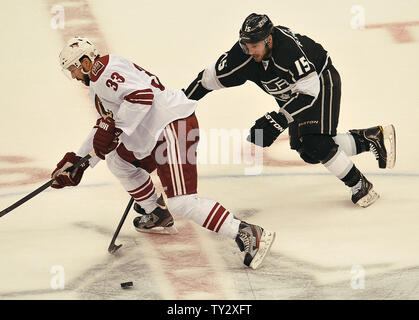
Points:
(141, 127)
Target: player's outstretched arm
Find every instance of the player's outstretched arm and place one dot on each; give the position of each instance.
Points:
(230, 70)
(196, 90)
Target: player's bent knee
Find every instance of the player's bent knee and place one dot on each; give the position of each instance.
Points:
(192, 207)
(118, 166)
(316, 148)
(182, 205)
(306, 157)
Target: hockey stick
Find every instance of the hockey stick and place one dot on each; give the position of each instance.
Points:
(45, 186)
(113, 247)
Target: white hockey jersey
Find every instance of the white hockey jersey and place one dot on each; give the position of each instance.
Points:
(140, 105)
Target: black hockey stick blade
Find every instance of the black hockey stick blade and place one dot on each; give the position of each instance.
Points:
(42, 188)
(112, 246)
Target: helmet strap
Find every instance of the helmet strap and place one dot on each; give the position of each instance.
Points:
(268, 50)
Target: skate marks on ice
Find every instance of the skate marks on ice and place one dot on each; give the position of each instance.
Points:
(187, 265)
(160, 266)
(280, 278)
(181, 267)
(380, 281)
(246, 213)
(283, 277)
(102, 280)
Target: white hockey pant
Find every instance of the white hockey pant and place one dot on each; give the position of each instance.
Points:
(136, 181)
(206, 213)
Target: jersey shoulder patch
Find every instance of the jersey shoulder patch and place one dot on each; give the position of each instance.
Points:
(232, 61)
(98, 67)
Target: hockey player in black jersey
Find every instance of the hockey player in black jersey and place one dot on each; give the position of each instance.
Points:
(299, 74)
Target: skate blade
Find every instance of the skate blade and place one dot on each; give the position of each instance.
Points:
(369, 199)
(266, 241)
(390, 144)
(160, 230)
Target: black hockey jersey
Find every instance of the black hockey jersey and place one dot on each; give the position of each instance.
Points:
(290, 75)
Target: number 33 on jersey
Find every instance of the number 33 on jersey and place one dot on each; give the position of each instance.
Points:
(136, 99)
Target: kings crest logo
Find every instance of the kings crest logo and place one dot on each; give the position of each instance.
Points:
(97, 66)
(279, 88)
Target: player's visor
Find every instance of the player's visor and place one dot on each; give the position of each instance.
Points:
(243, 46)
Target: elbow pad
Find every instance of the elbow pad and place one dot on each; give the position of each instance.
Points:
(196, 90)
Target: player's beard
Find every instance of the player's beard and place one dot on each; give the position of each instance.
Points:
(86, 79)
(268, 53)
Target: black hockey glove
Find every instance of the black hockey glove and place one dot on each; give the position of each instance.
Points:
(267, 128)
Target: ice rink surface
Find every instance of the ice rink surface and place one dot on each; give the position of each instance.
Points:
(55, 245)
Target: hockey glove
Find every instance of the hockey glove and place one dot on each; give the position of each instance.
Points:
(267, 128)
(106, 137)
(67, 179)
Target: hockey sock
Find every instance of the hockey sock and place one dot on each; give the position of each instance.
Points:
(206, 213)
(343, 168)
(145, 195)
(353, 177)
(222, 221)
(347, 143)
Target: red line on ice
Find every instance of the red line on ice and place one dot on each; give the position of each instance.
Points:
(398, 30)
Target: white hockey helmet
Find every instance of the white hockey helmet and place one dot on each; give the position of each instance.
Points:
(76, 48)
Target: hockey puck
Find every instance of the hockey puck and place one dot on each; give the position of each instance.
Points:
(125, 285)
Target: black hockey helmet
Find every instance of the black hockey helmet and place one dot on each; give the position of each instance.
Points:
(255, 28)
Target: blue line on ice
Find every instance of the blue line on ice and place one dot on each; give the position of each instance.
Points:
(294, 174)
(241, 176)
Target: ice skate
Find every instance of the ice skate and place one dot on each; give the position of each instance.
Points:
(255, 242)
(158, 221)
(363, 193)
(381, 142)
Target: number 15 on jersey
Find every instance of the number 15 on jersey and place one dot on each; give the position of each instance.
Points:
(300, 64)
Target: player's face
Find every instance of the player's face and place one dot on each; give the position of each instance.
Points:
(257, 50)
(76, 73)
